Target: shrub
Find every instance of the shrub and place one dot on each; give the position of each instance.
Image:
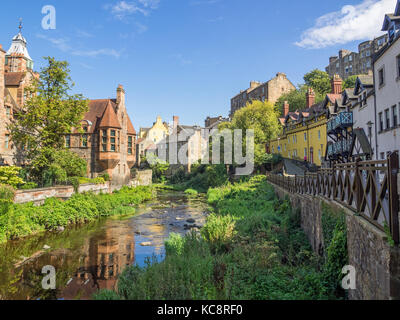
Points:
(29, 186)
(191, 192)
(7, 194)
(105, 176)
(174, 244)
(10, 176)
(219, 231)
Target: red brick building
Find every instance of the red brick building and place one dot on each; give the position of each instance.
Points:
(109, 139)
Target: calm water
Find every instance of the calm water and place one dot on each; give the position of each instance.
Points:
(92, 256)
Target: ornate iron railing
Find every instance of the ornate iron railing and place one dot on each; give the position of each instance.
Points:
(368, 188)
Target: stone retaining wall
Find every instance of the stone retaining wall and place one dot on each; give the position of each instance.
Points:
(377, 264)
(38, 196)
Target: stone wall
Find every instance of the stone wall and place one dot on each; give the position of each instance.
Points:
(377, 264)
(38, 196)
(143, 178)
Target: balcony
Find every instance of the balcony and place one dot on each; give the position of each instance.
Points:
(342, 121)
(339, 148)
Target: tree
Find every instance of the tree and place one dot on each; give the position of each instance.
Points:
(350, 82)
(50, 113)
(319, 81)
(262, 117)
(296, 99)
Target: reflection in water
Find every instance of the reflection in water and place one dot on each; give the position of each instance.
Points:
(91, 257)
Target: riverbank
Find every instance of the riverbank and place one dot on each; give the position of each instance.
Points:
(90, 257)
(252, 247)
(21, 220)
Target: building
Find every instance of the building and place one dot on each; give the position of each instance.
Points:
(349, 63)
(16, 73)
(108, 140)
(150, 137)
(213, 123)
(185, 146)
(304, 133)
(270, 91)
(387, 87)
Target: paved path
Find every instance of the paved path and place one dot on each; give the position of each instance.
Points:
(292, 169)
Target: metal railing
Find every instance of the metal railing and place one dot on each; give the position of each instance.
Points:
(368, 188)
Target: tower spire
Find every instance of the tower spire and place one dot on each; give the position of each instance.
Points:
(20, 25)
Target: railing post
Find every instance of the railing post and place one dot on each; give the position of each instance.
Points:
(393, 170)
(359, 190)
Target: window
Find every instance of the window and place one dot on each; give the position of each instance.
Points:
(319, 134)
(8, 112)
(85, 138)
(305, 136)
(380, 122)
(387, 119)
(104, 140)
(398, 66)
(130, 145)
(305, 153)
(382, 156)
(394, 115)
(381, 74)
(68, 141)
(7, 141)
(113, 141)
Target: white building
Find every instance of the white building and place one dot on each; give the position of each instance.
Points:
(363, 108)
(387, 88)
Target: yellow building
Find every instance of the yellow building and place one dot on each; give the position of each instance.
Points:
(304, 133)
(156, 133)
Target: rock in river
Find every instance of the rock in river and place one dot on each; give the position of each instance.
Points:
(190, 221)
(146, 244)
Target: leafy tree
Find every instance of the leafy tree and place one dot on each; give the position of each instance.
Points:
(297, 99)
(350, 82)
(50, 113)
(11, 176)
(262, 117)
(319, 81)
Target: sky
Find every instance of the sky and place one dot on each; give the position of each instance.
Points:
(189, 57)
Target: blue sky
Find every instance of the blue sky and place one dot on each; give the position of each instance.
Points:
(189, 57)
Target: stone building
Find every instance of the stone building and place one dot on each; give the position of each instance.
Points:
(16, 73)
(108, 140)
(270, 91)
(213, 123)
(349, 63)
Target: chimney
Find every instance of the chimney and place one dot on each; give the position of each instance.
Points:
(120, 96)
(310, 98)
(176, 122)
(337, 83)
(285, 108)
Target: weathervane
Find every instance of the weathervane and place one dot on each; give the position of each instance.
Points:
(20, 25)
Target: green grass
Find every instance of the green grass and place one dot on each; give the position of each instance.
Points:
(252, 247)
(20, 220)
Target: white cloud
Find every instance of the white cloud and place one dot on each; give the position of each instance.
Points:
(181, 59)
(122, 9)
(63, 45)
(358, 22)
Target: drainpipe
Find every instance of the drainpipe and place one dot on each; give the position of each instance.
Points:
(376, 123)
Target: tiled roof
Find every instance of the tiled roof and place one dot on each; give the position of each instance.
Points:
(366, 80)
(109, 118)
(131, 129)
(333, 97)
(97, 109)
(13, 78)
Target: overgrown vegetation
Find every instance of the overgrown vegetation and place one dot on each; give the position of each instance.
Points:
(252, 247)
(201, 178)
(19, 220)
(335, 255)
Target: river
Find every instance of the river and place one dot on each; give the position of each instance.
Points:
(92, 256)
